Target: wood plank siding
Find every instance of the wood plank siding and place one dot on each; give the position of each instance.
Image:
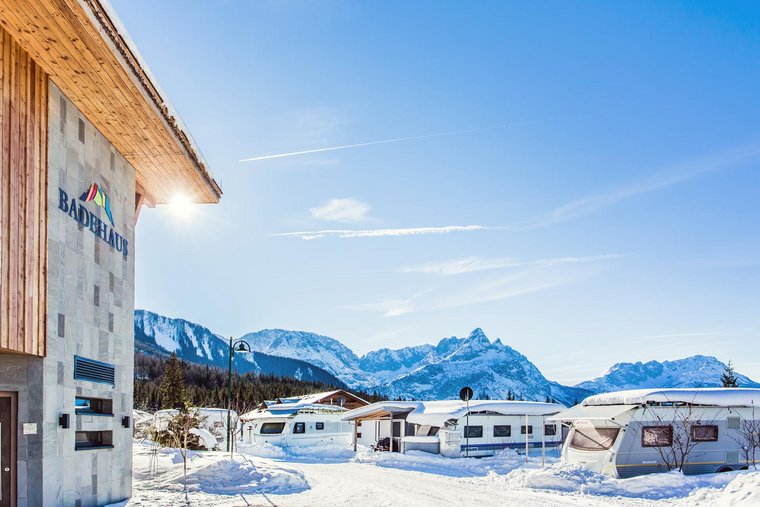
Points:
(78, 44)
(23, 200)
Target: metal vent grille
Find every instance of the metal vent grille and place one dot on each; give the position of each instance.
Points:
(94, 371)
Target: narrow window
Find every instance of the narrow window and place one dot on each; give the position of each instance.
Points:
(96, 296)
(61, 325)
(93, 440)
(502, 431)
(93, 406)
(550, 430)
(299, 427)
(63, 114)
(473, 431)
(704, 433)
(530, 430)
(81, 130)
(319, 425)
(656, 436)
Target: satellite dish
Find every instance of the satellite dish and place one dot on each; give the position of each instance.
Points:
(341, 400)
(465, 394)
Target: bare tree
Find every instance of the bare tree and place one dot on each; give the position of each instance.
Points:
(178, 433)
(748, 438)
(675, 442)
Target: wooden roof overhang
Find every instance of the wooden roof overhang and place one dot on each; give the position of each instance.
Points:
(78, 43)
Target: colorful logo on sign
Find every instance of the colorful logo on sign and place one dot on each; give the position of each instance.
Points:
(96, 195)
(89, 220)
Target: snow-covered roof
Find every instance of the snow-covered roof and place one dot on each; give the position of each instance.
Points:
(289, 409)
(381, 407)
(712, 396)
(291, 405)
(436, 413)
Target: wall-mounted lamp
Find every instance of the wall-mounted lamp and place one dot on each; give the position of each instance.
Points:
(125, 421)
(63, 421)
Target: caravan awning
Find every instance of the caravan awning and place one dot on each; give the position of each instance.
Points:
(592, 413)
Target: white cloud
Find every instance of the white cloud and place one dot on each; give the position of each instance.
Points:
(378, 233)
(672, 176)
(342, 210)
(516, 284)
(391, 307)
(475, 264)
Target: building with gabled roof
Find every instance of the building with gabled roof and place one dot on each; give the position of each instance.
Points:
(87, 138)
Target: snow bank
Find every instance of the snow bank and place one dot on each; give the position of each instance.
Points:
(160, 479)
(420, 461)
(321, 453)
(744, 489)
(571, 479)
(241, 476)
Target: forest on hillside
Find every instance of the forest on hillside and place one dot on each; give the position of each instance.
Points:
(206, 386)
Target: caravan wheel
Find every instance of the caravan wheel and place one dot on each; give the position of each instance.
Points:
(725, 469)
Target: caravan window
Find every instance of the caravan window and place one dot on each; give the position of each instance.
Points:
(594, 439)
(530, 430)
(502, 431)
(733, 423)
(299, 427)
(473, 431)
(704, 433)
(550, 430)
(656, 436)
(272, 428)
(320, 425)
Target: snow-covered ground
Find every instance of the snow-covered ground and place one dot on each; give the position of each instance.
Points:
(268, 475)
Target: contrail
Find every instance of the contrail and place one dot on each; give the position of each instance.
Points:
(383, 141)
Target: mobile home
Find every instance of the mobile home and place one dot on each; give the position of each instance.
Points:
(629, 433)
(303, 420)
(454, 429)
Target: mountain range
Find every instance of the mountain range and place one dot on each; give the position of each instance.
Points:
(428, 371)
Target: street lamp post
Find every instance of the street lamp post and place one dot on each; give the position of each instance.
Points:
(243, 347)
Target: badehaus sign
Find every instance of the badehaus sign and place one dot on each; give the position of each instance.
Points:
(86, 218)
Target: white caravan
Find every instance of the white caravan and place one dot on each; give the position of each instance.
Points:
(629, 433)
(214, 421)
(452, 429)
(304, 420)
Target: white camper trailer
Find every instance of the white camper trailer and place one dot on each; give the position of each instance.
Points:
(304, 420)
(451, 429)
(629, 433)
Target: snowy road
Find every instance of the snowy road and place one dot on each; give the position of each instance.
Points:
(359, 484)
(272, 476)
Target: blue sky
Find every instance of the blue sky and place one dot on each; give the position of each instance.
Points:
(595, 199)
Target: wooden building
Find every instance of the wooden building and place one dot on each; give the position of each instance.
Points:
(86, 139)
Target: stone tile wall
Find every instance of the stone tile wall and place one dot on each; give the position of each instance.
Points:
(90, 312)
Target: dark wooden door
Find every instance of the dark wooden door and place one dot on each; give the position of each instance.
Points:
(7, 450)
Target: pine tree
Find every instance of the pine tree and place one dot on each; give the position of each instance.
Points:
(173, 384)
(728, 378)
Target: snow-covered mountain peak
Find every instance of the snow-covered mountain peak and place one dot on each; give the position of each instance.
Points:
(694, 371)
